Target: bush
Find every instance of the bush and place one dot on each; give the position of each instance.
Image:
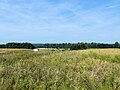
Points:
(78, 46)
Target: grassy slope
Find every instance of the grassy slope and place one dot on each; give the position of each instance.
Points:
(60, 70)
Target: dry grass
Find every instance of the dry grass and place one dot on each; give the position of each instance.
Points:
(93, 69)
(15, 49)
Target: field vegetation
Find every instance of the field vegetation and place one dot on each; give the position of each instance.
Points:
(92, 69)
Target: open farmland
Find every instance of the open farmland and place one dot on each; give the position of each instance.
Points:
(92, 69)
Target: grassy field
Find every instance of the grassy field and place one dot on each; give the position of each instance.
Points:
(92, 69)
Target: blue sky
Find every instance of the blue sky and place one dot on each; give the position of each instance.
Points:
(52, 21)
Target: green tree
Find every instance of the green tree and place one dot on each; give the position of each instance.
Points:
(116, 45)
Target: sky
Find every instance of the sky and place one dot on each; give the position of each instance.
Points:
(59, 21)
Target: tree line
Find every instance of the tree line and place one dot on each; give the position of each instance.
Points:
(18, 45)
(77, 46)
(71, 46)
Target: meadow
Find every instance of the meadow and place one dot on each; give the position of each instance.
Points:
(91, 69)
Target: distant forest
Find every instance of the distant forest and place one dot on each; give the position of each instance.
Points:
(18, 45)
(78, 46)
(71, 46)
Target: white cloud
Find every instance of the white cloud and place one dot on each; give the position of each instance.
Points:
(56, 18)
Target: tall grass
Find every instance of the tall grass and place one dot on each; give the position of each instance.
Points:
(60, 70)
